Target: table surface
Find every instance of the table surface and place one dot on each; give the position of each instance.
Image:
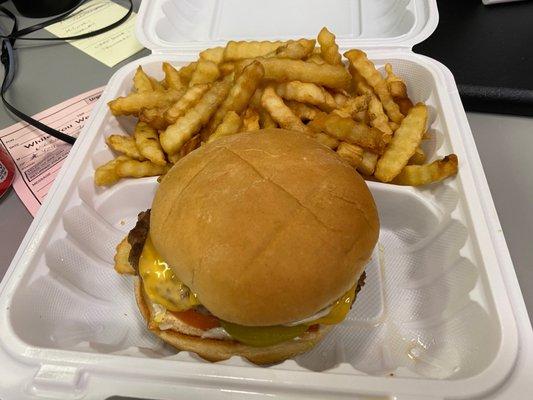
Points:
(504, 144)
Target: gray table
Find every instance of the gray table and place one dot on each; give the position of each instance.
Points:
(504, 144)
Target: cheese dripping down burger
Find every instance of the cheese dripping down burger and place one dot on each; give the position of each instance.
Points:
(255, 246)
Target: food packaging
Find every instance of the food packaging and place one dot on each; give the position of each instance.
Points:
(441, 315)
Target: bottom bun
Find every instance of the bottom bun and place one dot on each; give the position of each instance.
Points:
(218, 350)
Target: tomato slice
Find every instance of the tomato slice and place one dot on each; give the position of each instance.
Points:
(197, 320)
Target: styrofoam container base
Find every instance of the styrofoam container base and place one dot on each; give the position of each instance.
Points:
(433, 320)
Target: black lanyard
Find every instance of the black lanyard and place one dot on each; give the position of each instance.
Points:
(9, 62)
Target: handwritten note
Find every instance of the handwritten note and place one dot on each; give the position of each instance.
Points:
(38, 157)
(109, 48)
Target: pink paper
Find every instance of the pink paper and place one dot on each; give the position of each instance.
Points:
(38, 157)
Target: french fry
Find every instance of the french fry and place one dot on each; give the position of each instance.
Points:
(378, 118)
(325, 140)
(403, 144)
(416, 175)
(125, 145)
(352, 106)
(398, 90)
(214, 54)
(139, 169)
(155, 117)
(186, 72)
(173, 138)
(230, 125)
(189, 99)
(366, 68)
(266, 120)
(397, 86)
(191, 145)
(243, 50)
(359, 84)
(156, 85)
(238, 97)
(206, 72)
(418, 158)
(141, 81)
(316, 58)
(172, 77)
(280, 112)
(284, 70)
(250, 120)
(393, 126)
(122, 263)
(340, 98)
(147, 142)
(133, 103)
(295, 50)
(352, 153)
(306, 92)
(404, 104)
(304, 111)
(328, 48)
(226, 68)
(368, 163)
(350, 131)
(105, 175)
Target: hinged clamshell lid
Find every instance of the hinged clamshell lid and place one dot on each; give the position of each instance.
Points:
(188, 26)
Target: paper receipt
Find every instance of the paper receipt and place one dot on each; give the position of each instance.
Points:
(110, 47)
(38, 157)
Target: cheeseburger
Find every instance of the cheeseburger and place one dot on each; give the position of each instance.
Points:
(255, 246)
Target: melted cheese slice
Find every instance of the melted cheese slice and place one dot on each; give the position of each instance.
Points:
(161, 285)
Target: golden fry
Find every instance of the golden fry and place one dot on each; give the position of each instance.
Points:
(352, 106)
(397, 86)
(418, 158)
(284, 70)
(368, 163)
(352, 153)
(156, 85)
(155, 117)
(172, 77)
(122, 263)
(315, 58)
(125, 145)
(280, 112)
(266, 120)
(304, 111)
(214, 54)
(393, 126)
(173, 138)
(105, 175)
(416, 175)
(404, 104)
(243, 50)
(306, 92)
(189, 99)
(378, 118)
(226, 68)
(147, 142)
(230, 125)
(295, 50)
(141, 81)
(238, 97)
(368, 71)
(350, 131)
(139, 169)
(205, 72)
(191, 144)
(403, 144)
(328, 48)
(250, 120)
(133, 103)
(186, 72)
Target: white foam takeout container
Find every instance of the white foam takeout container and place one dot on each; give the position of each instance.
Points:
(441, 315)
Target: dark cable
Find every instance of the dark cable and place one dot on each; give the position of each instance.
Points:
(7, 58)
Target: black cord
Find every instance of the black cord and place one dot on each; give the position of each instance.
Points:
(8, 58)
